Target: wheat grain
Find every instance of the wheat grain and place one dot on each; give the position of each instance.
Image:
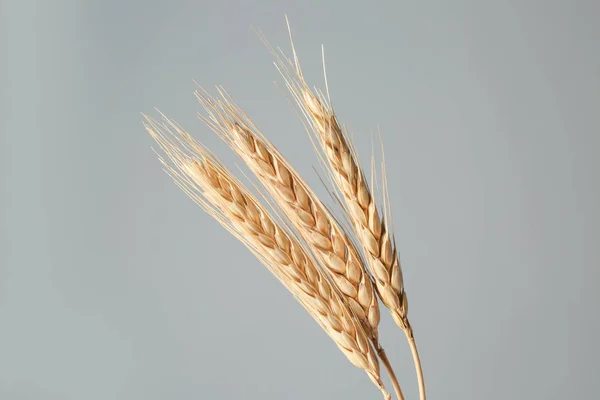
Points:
(213, 187)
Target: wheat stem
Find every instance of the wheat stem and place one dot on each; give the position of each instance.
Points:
(388, 366)
(417, 361)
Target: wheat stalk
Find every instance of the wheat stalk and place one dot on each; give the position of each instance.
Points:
(371, 228)
(308, 214)
(214, 188)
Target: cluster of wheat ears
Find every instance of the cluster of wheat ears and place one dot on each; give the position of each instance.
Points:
(337, 274)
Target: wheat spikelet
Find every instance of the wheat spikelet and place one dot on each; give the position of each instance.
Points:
(207, 182)
(307, 213)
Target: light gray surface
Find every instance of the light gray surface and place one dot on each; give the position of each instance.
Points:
(113, 285)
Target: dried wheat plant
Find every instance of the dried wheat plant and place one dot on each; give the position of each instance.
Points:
(336, 275)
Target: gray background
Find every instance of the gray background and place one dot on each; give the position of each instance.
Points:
(113, 285)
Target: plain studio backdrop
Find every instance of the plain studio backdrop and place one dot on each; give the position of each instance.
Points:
(114, 285)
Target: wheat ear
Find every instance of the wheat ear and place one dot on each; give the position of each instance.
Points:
(213, 187)
(370, 226)
(308, 214)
